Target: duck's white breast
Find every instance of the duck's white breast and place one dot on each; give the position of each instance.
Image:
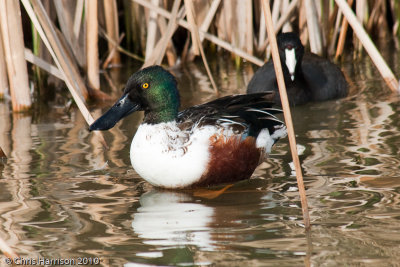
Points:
(167, 157)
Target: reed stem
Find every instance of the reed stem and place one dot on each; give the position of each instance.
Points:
(342, 35)
(151, 30)
(195, 34)
(92, 50)
(286, 112)
(208, 36)
(13, 44)
(51, 41)
(3, 71)
(159, 51)
(111, 15)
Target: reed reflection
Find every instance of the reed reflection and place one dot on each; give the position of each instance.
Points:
(16, 204)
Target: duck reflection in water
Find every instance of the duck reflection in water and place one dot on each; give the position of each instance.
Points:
(172, 219)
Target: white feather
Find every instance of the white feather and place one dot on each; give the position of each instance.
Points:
(291, 61)
(266, 141)
(167, 157)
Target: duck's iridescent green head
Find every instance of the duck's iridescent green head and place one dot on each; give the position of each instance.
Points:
(152, 90)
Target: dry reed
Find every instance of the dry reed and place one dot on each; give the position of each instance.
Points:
(111, 16)
(159, 51)
(286, 112)
(342, 36)
(47, 33)
(92, 50)
(195, 34)
(13, 45)
(369, 46)
(3, 71)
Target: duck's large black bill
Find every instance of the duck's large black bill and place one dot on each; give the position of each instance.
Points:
(122, 108)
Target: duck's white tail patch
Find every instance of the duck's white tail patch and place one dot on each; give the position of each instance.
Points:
(266, 140)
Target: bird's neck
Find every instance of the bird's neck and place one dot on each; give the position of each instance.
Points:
(155, 117)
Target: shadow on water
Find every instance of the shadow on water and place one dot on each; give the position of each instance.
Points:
(64, 196)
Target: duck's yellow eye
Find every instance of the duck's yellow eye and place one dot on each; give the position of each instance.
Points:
(145, 85)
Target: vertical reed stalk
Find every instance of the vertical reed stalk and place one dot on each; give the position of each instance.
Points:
(208, 36)
(395, 8)
(3, 70)
(48, 34)
(111, 15)
(376, 21)
(206, 22)
(13, 41)
(170, 51)
(78, 18)
(5, 128)
(282, 20)
(314, 29)
(166, 40)
(262, 31)
(92, 50)
(342, 36)
(303, 31)
(151, 30)
(195, 34)
(210, 15)
(128, 22)
(72, 79)
(224, 26)
(159, 51)
(361, 11)
(325, 23)
(287, 27)
(249, 27)
(337, 28)
(39, 75)
(70, 26)
(286, 113)
(192, 22)
(64, 18)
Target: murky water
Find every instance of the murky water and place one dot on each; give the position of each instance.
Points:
(64, 197)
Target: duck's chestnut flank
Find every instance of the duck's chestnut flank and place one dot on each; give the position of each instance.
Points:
(231, 160)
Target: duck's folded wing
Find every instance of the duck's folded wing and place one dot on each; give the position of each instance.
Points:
(250, 111)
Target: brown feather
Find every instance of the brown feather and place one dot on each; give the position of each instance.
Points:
(231, 160)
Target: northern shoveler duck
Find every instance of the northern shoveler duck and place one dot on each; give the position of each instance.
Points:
(307, 78)
(221, 141)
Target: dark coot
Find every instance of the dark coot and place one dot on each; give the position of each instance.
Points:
(307, 78)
